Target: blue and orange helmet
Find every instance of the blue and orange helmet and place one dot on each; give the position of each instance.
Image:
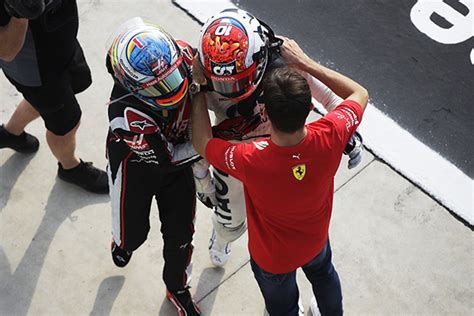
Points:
(148, 62)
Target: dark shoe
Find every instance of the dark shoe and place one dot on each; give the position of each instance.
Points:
(86, 176)
(183, 302)
(24, 143)
(120, 256)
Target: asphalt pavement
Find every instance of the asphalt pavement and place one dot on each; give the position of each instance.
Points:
(397, 250)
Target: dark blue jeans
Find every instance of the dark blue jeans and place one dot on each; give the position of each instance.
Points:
(280, 291)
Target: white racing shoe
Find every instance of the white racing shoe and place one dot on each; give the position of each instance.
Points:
(219, 250)
(313, 307)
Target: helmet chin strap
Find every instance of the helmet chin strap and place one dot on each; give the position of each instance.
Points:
(273, 43)
(165, 113)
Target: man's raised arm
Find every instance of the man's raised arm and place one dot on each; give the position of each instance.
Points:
(201, 124)
(200, 121)
(343, 86)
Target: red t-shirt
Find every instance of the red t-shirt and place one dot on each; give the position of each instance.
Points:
(289, 190)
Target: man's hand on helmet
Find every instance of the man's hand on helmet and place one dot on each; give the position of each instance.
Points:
(292, 53)
(354, 149)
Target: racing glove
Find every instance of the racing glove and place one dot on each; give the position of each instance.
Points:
(205, 189)
(354, 149)
(25, 9)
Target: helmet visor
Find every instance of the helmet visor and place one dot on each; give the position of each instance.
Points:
(166, 84)
(233, 86)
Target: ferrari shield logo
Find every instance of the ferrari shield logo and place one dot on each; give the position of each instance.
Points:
(299, 171)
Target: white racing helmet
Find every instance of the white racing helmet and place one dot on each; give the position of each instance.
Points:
(233, 50)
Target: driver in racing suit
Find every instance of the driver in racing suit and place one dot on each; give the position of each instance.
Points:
(149, 151)
(236, 51)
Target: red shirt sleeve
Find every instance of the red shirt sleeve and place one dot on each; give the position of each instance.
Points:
(345, 119)
(227, 157)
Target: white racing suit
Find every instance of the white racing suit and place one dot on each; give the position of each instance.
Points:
(229, 218)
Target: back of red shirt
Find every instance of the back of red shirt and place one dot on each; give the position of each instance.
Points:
(289, 190)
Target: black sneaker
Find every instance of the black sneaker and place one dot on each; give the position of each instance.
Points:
(120, 256)
(86, 176)
(183, 302)
(24, 143)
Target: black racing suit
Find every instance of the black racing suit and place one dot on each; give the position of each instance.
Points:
(150, 155)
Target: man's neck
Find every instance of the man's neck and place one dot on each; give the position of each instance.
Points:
(286, 140)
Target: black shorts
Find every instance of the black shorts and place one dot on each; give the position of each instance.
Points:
(55, 100)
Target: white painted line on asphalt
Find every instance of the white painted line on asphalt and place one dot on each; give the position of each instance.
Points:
(390, 142)
(201, 10)
(419, 163)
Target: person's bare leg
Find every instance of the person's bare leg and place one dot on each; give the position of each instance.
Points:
(85, 175)
(23, 115)
(64, 148)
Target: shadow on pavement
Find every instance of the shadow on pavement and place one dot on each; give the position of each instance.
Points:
(17, 288)
(106, 295)
(209, 281)
(10, 171)
(167, 308)
(206, 289)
